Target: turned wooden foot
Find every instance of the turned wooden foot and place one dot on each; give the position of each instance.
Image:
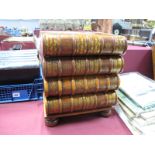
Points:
(51, 122)
(105, 113)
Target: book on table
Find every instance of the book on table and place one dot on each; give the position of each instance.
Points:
(137, 110)
(136, 103)
(138, 88)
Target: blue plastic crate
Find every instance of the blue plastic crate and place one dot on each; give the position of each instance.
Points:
(22, 92)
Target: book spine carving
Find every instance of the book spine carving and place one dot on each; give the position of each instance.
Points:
(73, 44)
(80, 103)
(80, 85)
(81, 66)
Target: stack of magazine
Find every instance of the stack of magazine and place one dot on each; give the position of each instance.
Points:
(136, 98)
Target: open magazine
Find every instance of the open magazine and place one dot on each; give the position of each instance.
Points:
(138, 88)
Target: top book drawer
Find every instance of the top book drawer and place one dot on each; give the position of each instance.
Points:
(81, 43)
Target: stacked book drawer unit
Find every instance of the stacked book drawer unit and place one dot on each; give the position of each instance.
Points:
(80, 73)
